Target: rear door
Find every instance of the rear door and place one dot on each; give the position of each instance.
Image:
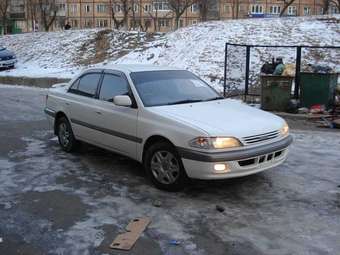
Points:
(82, 106)
(118, 123)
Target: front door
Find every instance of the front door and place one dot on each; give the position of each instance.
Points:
(118, 124)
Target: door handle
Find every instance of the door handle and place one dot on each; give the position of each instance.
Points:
(67, 103)
(100, 113)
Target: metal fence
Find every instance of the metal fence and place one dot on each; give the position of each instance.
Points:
(298, 49)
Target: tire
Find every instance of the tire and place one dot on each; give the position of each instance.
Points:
(164, 167)
(65, 135)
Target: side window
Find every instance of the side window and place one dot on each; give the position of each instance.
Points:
(113, 85)
(74, 85)
(88, 84)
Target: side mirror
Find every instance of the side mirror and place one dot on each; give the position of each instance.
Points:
(122, 101)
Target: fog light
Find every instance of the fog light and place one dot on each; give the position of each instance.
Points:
(220, 167)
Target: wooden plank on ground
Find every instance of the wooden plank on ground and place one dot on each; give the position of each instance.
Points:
(134, 229)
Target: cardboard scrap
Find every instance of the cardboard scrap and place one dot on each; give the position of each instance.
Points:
(134, 229)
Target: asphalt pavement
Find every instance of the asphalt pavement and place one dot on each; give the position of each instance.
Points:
(57, 203)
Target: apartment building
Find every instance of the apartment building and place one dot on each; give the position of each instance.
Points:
(144, 14)
(151, 15)
(155, 15)
(230, 9)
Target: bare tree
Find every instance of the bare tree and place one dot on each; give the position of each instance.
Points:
(120, 6)
(48, 13)
(286, 4)
(335, 3)
(134, 7)
(178, 7)
(327, 4)
(152, 9)
(4, 6)
(204, 8)
(31, 12)
(153, 15)
(235, 8)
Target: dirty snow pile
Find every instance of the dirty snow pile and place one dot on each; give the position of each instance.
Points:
(62, 54)
(199, 48)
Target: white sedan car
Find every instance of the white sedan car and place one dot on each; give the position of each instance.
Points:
(168, 119)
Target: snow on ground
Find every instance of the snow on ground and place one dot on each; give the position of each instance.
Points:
(199, 48)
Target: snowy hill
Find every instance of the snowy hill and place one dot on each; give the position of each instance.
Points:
(199, 48)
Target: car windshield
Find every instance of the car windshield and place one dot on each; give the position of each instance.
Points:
(171, 87)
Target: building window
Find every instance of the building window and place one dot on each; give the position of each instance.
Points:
(181, 23)
(61, 7)
(194, 8)
(87, 8)
(88, 23)
(101, 8)
(164, 23)
(320, 10)
(147, 8)
(73, 8)
(275, 9)
(194, 22)
(74, 23)
(306, 11)
(161, 6)
(291, 10)
(135, 8)
(101, 23)
(227, 8)
(117, 8)
(333, 10)
(257, 9)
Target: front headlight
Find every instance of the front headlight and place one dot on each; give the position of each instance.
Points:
(285, 129)
(215, 142)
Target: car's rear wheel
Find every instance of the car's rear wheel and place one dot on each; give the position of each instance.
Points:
(165, 167)
(66, 138)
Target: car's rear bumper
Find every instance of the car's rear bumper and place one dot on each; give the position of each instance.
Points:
(242, 162)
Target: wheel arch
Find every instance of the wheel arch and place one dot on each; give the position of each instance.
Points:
(152, 140)
(58, 115)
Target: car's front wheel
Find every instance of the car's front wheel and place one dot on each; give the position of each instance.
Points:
(164, 167)
(66, 138)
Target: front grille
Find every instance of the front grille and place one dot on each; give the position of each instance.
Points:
(6, 58)
(261, 159)
(254, 139)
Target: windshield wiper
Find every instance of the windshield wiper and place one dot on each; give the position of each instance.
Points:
(214, 98)
(186, 101)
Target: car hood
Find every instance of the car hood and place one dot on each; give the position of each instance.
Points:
(6, 53)
(223, 117)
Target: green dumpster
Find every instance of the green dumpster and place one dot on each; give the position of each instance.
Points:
(317, 88)
(275, 92)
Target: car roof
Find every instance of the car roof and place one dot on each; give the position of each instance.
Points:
(138, 68)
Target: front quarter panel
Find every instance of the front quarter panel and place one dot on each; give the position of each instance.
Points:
(151, 123)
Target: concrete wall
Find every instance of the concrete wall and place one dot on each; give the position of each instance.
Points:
(34, 82)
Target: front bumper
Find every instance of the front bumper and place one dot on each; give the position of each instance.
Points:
(246, 161)
(7, 63)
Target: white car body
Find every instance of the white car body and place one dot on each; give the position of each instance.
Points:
(126, 130)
